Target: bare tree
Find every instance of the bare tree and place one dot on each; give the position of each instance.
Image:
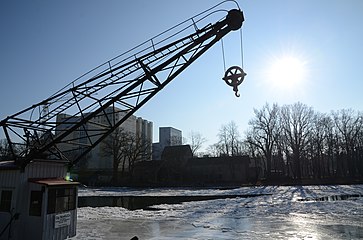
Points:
(196, 141)
(116, 145)
(138, 149)
(331, 147)
(214, 150)
(264, 127)
(229, 139)
(318, 145)
(349, 125)
(5, 153)
(125, 148)
(359, 149)
(295, 120)
(257, 162)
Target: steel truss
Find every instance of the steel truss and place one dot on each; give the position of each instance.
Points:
(123, 84)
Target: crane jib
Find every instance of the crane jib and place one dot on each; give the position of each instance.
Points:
(47, 129)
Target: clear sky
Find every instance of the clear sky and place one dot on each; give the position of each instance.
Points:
(294, 50)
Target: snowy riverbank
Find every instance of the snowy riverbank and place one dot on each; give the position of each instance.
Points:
(279, 215)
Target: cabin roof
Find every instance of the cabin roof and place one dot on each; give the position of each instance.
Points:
(52, 181)
(8, 165)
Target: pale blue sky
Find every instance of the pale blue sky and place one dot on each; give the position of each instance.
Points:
(44, 45)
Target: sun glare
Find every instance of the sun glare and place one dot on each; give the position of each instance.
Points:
(286, 72)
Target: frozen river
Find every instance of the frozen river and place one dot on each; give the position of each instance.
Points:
(293, 212)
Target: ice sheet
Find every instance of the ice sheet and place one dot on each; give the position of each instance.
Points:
(279, 215)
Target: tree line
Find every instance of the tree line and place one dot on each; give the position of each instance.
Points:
(297, 141)
(289, 140)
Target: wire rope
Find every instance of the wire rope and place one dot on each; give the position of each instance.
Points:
(223, 55)
(241, 51)
(241, 36)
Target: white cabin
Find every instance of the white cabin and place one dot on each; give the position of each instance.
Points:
(37, 202)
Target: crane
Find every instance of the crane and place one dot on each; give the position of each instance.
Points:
(122, 84)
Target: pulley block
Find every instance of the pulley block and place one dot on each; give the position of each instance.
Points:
(234, 76)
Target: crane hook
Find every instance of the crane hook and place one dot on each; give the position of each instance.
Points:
(233, 77)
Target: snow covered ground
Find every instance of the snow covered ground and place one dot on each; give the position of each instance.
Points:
(281, 215)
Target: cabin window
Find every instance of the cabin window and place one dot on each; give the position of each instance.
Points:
(35, 208)
(5, 200)
(61, 200)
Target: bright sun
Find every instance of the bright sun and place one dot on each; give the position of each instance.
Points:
(286, 72)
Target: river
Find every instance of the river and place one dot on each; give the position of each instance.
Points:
(271, 212)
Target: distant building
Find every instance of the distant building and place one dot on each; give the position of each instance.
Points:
(168, 136)
(177, 167)
(96, 160)
(135, 125)
(144, 129)
(218, 170)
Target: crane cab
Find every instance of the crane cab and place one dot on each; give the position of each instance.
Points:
(37, 202)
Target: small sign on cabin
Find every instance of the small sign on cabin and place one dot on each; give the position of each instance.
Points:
(62, 220)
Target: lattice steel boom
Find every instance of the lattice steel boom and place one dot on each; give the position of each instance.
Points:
(63, 126)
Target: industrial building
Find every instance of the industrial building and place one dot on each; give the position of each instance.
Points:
(178, 167)
(168, 136)
(98, 164)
